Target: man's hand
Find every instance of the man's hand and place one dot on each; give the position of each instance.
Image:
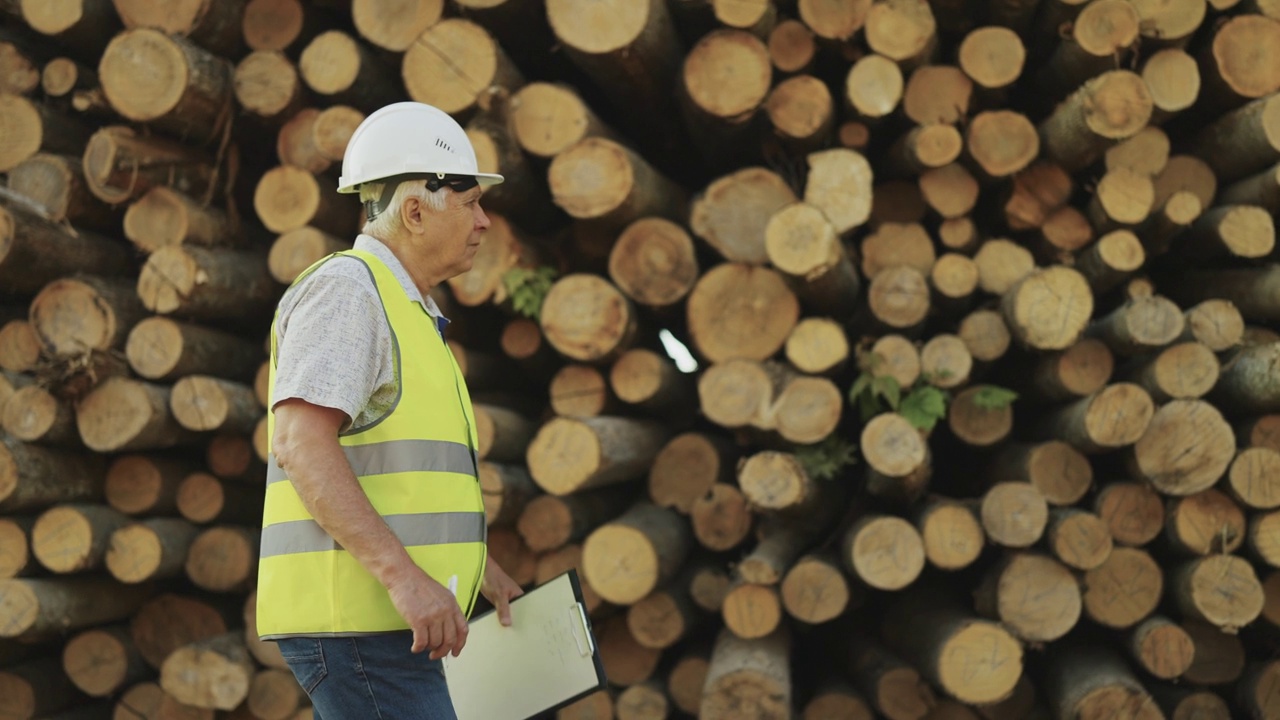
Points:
(499, 589)
(432, 613)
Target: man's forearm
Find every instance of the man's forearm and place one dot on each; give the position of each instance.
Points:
(330, 492)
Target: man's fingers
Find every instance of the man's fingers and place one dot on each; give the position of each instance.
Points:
(460, 621)
(504, 610)
(450, 638)
(420, 640)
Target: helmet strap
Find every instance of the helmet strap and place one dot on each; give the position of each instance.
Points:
(435, 181)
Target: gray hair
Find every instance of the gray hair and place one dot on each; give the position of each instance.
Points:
(388, 221)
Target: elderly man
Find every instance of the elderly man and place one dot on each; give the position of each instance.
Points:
(373, 542)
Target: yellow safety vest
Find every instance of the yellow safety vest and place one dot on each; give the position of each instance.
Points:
(418, 466)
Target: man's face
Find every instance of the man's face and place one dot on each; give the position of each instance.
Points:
(453, 235)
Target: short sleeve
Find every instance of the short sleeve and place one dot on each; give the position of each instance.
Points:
(333, 345)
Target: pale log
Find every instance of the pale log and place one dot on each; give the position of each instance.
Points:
(898, 299)
(1239, 64)
(456, 65)
(802, 113)
(839, 184)
(609, 185)
(223, 559)
(394, 25)
(629, 49)
(166, 350)
(1080, 370)
(1222, 590)
(1133, 512)
(580, 390)
(942, 639)
(34, 252)
(732, 213)
(287, 198)
(1140, 326)
(975, 423)
(212, 673)
(503, 435)
(548, 522)
(124, 414)
(36, 608)
(586, 318)
(20, 61)
(343, 70)
(1173, 77)
(212, 24)
(952, 535)
(643, 701)
(750, 610)
(945, 361)
(203, 499)
(1078, 538)
(1100, 37)
(1107, 108)
(72, 538)
(1116, 416)
(56, 183)
(204, 403)
(815, 589)
(1041, 188)
(923, 148)
(78, 315)
(883, 551)
(1183, 174)
(873, 89)
(206, 283)
(1092, 680)
(1183, 371)
(899, 462)
(650, 381)
(1123, 590)
(721, 517)
(275, 694)
(992, 57)
(685, 681)
(954, 279)
(102, 661)
(1065, 231)
(1111, 260)
(1005, 591)
(145, 484)
(332, 129)
(722, 315)
(937, 94)
(35, 415)
(549, 118)
(190, 96)
(1146, 153)
(266, 83)
(791, 47)
(653, 261)
(628, 557)
(893, 687)
(687, 467)
(298, 249)
(1124, 198)
(1001, 264)
(164, 217)
(897, 357)
(279, 24)
(802, 243)
(985, 334)
(120, 165)
(1229, 231)
(1205, 523)
(664, 616)
(892, 244)
(505, 248)
(1001, 142)
(818, 346)
(1160, 647)
(16, 559)
(523, 194)
(31, 127)
(1252, 478)
(1014, 514)
(34, 477)
(1247, 383)
(571, 454)
(748, 673)
(1049, 308)
(20, 349)
(782, 538)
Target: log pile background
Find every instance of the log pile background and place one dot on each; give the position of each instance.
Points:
(983, 295)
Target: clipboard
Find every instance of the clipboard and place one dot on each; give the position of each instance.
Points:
(547, 659)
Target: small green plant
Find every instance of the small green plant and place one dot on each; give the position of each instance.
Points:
(992, 397)
(924, 406)
(528, 287)
(872, 393)
(826, 459)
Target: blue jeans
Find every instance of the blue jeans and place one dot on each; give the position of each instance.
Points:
(373, 677)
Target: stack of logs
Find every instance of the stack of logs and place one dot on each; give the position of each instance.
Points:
(984, 297)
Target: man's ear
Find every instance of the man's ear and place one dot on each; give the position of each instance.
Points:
(411, 215)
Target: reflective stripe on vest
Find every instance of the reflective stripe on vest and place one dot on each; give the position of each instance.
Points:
(418, 465)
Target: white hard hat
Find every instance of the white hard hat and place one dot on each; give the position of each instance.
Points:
(405, 140)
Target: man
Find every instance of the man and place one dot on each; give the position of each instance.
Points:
(373, 542)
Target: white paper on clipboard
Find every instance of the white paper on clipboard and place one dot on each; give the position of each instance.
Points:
(545, 659)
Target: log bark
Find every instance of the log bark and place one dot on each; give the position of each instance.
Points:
(457, 65)
(952, 535)
(802, 244)
(120, 166)
(654, 263)
(898, 458)
(146, 485)
(894, 688)
(1133, 511)
(1124, 590)
(192, 98)
(36, 688)
(1111, 260)
(1080, 129)
(35, 415)
(206, 284)
(149, 550)
(1080, 370)
(165, 350)
(165, 217)
(123, 414)
(35, 252)
(394, 26)
(213, 673)
(586, 318)
(1140, 326)
(45, 608)
(34, 477)
(523, 194)
(502, 434)
(721, 518)
(609, 186)
(748, 673)
(1048, 309)
(1078, 538)
(337, 66)
(76, 316)
(204, 499)
(1183, 371)
(203, 403)
(72, 538)
(1094, 681)
(1004, 594)
(549, 522)
(215, 26)
(631, 555)
(1114, 417)
(507, 491)
(56, 184)
(571, 454)
(1100, 36)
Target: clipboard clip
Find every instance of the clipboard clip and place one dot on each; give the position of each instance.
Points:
(586, 644)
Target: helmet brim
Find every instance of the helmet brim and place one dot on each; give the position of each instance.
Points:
(483, 179)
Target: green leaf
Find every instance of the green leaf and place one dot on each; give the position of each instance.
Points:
(887, 387)
(991, 397)
(826, 459)
(859, 386)
(924, 406)
(528, 288)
